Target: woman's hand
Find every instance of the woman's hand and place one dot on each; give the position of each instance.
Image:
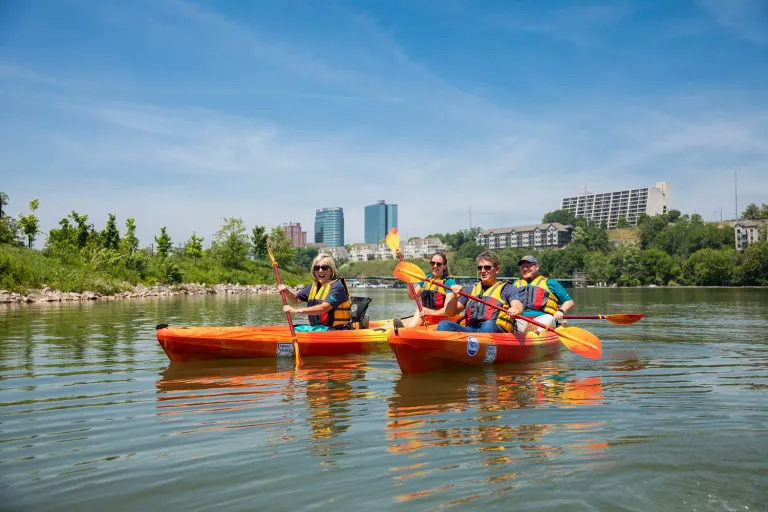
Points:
(291, 309)
(281, 287)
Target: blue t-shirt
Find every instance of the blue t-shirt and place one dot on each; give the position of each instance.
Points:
(508, 293)
(336, 295)
(557, 290)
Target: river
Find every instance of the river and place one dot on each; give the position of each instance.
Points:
(673, 417)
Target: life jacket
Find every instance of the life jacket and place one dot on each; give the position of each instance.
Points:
(537, 296)
(433, 296)
(338, 317)
(477, 312)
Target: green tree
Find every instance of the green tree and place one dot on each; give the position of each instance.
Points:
(626, 267)
(657, 267)
(84, 231)
(650, 227)
(163, 243)
(622, 223)
(708, 267)
(562, 216)
(469, 249)
(282, 247)
(597, 266)
(751, 212)
(130, 242)
(755, 264)
(231, 244)
(194, 247)
(9, 230)
(259, 240)
(29, 224)
(764, 211)
(110, 237)
(305, 256)
(3, 203)
(673, 215)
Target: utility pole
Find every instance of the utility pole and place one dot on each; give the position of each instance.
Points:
(470, 217)
(736, 194)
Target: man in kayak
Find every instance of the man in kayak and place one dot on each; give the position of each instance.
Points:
(480, 317)
(327, 298)
(543, 298)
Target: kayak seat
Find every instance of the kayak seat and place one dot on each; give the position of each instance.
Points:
(357, 311)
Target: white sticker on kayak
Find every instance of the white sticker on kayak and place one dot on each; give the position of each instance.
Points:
(472, 345)
(490, 354)
(284, 350)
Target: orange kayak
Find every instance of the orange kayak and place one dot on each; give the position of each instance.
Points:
(424, 349)
(195, 343)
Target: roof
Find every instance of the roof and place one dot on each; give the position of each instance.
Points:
(532, 227)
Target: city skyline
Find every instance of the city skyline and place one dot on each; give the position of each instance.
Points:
(182, 113)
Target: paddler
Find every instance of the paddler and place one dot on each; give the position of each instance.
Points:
(545, 299)
(433, 297)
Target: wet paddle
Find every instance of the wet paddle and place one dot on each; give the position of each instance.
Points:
(578, 340)
(618, 319)
(393, 242)
(285, 303)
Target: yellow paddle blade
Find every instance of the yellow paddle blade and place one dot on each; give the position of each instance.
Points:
(408, 272)
(393, 239)
(581, 341)
(269, 251)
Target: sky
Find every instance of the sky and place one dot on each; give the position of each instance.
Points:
(184, 113)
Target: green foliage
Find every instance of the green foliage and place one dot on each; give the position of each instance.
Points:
(622, 223)
(230, 243)
(130, 242)
(305, 256)
(110, 237)
(592, 238)
(282, 247)
(562, 216)
(259, 240)
(194, 246)
(751, 212)
(470, 249)
(9, 230)
(657, 267)
(708, 267)
(755, 264)
(627, 266)
(673, 215)
(597, 266)
(29, 224)
(3, 203)
(163, 243)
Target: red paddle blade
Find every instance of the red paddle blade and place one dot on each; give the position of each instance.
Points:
(408, 272)
(393, 239)
(623, 318)
(580, 341)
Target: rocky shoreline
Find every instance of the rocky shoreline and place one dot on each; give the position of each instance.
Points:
(139, 291)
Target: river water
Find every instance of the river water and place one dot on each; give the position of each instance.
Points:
(674, 416)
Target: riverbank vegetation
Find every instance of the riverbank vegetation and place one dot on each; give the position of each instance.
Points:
(671, 249)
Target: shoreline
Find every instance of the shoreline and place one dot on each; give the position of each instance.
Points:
(46, 295)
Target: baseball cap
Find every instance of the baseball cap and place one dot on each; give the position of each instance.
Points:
(529, 259)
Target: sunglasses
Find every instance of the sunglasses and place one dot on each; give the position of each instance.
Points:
(322, 267)
(435, 264)
(487, 268)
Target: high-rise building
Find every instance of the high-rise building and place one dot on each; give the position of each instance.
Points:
(608, 207)
(329, 227)
(293, 230)
(379, 219)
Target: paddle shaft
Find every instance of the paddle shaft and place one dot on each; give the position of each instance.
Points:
(494, 306)
(285, 303)
(410, 285)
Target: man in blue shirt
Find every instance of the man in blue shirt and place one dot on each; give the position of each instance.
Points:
(543, 298)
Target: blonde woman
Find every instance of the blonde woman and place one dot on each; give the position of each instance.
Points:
(327, 298)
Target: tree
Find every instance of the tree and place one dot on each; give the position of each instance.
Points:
(9, 230)
(656, 267)
(194, 247)
(626, 267)
(163, 243)
(562, 216)
(29, 224)
(3, 202)
(622, 223)
(282, 247)
(84, 231)
(469, 249)
(708, 267)
(110, 237)
(764, 211)
(755, 264)
(130, 242)
(305, 256)
(751, 212)
(673, 215)
(259, 240)
(230, 243)
(597, 266)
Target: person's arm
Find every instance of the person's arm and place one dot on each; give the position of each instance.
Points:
(452, 305)
(565, 300)
(290, 295)
(417, 289)
(317, 309)
(512, 295)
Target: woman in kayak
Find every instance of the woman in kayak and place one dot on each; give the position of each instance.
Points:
(433, 298)
(327, 298)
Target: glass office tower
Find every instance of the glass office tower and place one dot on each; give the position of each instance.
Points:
(329, 227)
(379, 219)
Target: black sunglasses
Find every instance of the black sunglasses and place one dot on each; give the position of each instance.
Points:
(435, 264)
(484, 267)
(322, 267)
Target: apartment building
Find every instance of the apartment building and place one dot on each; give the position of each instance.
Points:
(747, 232)
(297, 236)
(607, 207)
(537, 236)
(423, 247)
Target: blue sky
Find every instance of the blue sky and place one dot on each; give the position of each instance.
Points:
(181, 113)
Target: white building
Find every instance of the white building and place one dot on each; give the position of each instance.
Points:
(552, 235)
(747, 232)
(423, 247)
(338, 253)
(608, 207)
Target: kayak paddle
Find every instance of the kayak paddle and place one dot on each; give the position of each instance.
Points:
(393, 242)
(578, 340)
(285, 303)
(619, 319)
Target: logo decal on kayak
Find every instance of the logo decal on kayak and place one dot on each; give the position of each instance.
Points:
(284, 350)
(490, 354)
(472, 345)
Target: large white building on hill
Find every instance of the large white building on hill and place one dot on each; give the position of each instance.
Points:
(608, 207)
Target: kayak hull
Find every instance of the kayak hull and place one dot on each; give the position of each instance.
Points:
(425, 349)
(183, 344)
